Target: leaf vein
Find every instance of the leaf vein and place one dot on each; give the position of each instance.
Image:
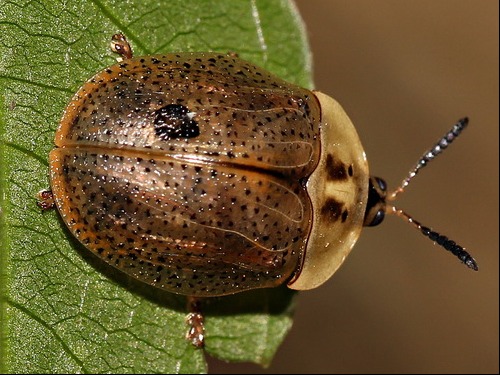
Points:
(35, 83)
(64, 346)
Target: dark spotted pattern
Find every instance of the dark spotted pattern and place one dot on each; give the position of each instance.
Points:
(174, 121)
(336, 169)
(334, 210)
(211, 211)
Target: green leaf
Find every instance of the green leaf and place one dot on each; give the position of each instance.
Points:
(62, 310)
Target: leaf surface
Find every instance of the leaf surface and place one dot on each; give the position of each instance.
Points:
(63, 310)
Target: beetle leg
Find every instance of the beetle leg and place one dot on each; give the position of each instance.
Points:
(45, 200)
(121, 46)
(195, 320)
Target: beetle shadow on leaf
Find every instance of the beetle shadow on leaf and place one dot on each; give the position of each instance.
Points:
(273, 301)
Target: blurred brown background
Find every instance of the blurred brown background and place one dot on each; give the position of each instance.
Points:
(405, 71)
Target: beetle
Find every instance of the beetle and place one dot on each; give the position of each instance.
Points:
(205, 175)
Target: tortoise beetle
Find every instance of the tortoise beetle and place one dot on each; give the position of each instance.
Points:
(205, 175)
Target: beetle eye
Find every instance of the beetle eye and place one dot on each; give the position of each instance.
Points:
(382, 185)
(377, 218)
(375, 207)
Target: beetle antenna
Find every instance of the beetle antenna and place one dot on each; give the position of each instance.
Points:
(429, 155)
(441, 240)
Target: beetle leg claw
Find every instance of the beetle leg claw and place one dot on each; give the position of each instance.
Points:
(195, 321)
(45, 200)
(121, 46)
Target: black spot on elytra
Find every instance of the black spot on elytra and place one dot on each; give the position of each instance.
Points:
(336, 170)
(174, 121)
(332, 209)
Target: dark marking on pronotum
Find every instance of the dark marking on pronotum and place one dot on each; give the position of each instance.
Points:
(333, 210)
(174, 121)
(336, 170)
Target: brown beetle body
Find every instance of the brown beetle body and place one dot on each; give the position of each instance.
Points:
(204, 175)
